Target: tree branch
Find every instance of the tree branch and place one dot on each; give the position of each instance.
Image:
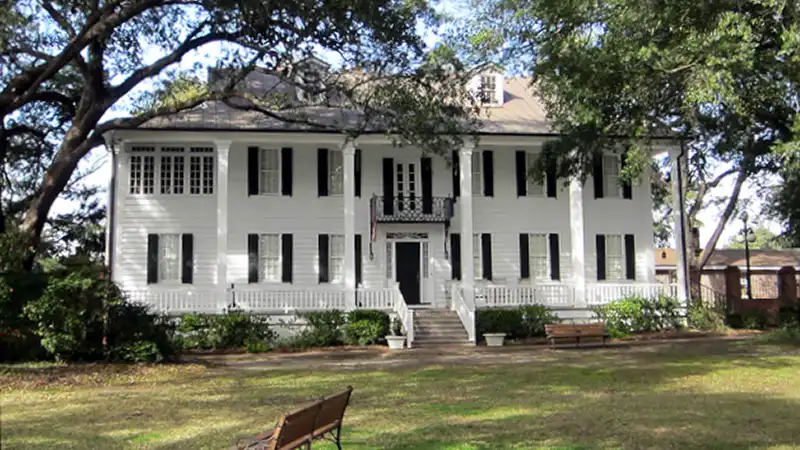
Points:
(59, 19)
(726, 215)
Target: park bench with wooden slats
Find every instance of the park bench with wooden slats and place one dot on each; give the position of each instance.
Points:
(299, 428)
(575, 331)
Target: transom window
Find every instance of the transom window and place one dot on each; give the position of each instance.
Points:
(169, 256)
(615, 257)
(269, 261)
(535, 189)
(611, 175)
(538, 250)
(335, 173)
(162, 170)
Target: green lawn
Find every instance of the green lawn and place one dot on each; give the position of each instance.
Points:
(723, 395)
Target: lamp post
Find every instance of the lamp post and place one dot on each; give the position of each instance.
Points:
(749, 236)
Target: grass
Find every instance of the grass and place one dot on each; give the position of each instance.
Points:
(722, 395)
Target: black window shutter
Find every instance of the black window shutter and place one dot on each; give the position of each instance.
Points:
(359, 269)
(286, 171)
(522, 174)
(488, 173)
(630, 257)
(287, 246)
(252, 258)
(455, 256)
(322, 172)
(388, 186)
(524, 257)
(152, 258)
(358, 172)
(555, 268)
(627, 188)
(427, 185)
(456, 175)
(252, 171)
(486, 255)
(322, 247)
(187, 242)
(552, 183)
(600, 243)
(597, 174)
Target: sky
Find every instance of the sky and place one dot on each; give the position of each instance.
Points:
(207, 55)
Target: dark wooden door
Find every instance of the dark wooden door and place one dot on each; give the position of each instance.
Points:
(408, 271)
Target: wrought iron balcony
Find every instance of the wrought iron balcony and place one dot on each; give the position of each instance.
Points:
(411, 209)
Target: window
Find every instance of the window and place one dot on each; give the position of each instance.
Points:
(172, 170)
(270, 171)
(477, 179)
(487, 89)
(534, 188)
(477, 260)
(389, 261)
(335, 173)
(538, 250)
(615, 257)
(169, 256)
(142, 171)
(269, 264)
(201, 171)
(336, 258)
(611, 169)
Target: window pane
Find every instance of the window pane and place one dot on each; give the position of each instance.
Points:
(476, 256)
(169, 257)
(270, 257)
(149, 176)
(194, 174)
(611, 169)
(136, 175)
(270, 171)
(476, 174)
(534, 188)
(336, 258)
(208, 175)
(615, 261)
(389, 261)
(539, 260)
(336, 173)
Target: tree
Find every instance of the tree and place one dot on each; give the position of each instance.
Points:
(764, 239)
(719, 75)
(73, 70)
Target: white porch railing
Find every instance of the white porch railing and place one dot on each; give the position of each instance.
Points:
(405, 314)
(383, 299)
(602, 293)
(287, 301)
(465, 311)
(174, 302)
(549, 294)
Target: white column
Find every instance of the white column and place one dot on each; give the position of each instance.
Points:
(465, 202)
(577, 241)
(678, 220)
(349, 166)
(223, 150)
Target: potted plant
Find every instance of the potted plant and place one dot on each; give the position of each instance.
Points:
(396, 340)
(494, 339)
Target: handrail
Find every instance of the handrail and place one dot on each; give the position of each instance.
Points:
(465, 311)
(405, 314)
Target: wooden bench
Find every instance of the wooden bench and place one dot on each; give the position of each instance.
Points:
(299, 428)
(575, 331)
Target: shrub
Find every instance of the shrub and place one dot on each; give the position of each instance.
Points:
(706, 318)
(534, 318)
(323, 329)
(789, 317)
(754, 319)
(366, 327)
(781, 336)
(134, 334)
(224, 331)
(636, 314)
(508, 321)
(397, 327)
(734, 320)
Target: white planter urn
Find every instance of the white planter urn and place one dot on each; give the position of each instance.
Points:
(396, 342)
(494, 339)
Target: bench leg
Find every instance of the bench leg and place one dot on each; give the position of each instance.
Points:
(578, 340)
(339, 437)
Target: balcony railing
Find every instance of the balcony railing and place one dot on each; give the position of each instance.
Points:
(405, 209)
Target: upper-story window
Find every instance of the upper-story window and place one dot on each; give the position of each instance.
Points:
(534, 188)
(335, 173)
(477, 173)
(487, 89)
(270, 173)
(163, 169)
(611, 176)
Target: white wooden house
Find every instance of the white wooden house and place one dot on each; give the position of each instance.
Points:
(216, 208)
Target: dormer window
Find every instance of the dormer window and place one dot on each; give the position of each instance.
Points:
(487, 90)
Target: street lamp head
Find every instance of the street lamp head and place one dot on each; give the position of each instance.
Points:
(751, 236)
(744, 216)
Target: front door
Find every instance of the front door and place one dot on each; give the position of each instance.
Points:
(407, 270)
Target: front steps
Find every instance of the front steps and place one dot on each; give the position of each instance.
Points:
(438, 327)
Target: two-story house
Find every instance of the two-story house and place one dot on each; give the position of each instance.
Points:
(216, 207)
